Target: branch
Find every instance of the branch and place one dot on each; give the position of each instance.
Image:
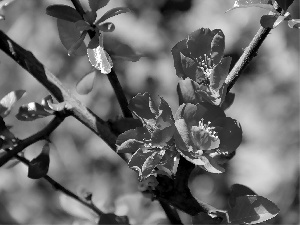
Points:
(247, 56)
(112, 76)
(27, 60)
(171, 213)
(22, 144)
(61, 188)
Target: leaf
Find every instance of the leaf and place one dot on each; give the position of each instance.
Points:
(69, 34)
(111, 13)
(143, 106)
(144, 162)
(110, 218)
(63, 12)
(264, 4)
(82, 25)
(161, 137)
(32, 111)
(130, 146)
(271, 21)
(77, 44)
(86, 83)
(106, 27)
(252, 209)
(100, 59)
(97, 4)
(39, 166)
(139, 134)
(9, 100)
(294, 23)
(90, 17)
(119, 50)
(238, 190)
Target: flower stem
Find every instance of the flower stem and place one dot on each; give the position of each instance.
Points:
(112, 76)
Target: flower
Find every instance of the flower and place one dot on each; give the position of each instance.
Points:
(204, 133)
(152, 145)
(199, 57)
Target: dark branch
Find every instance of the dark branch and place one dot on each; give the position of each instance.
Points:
(22, 144)
(27, 60)
(61, 188)
(112, 76)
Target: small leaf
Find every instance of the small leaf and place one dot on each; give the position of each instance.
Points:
(139, 134)
(100, 59)
(294, 23)
(160, 137)
(264, 4)
(252, 209)
(106, 27)
(121, 125)
(32, 111)
(97, 4)
(90, 17)
(111, 218)
(189, 67)
(81, 25)
(69, 34)
(86, 83)
(111, 13)
(119, 50)
(238, 190)
(63, 12)
(72, 50)
(9, 100)
(39, 166)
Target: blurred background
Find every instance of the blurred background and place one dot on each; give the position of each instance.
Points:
(266, 105)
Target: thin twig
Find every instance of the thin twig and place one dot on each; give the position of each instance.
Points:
(171, 213)
(247, 56)
(28, 61)
(40, 135)
(112, 76)
(61, 188)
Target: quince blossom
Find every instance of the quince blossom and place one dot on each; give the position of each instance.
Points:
(204, 133)
(199, 57)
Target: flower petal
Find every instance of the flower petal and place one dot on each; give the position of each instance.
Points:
(217, 46)
(177, 50)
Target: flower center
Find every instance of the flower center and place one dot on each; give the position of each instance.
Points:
(204, 137)
(206, 64)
